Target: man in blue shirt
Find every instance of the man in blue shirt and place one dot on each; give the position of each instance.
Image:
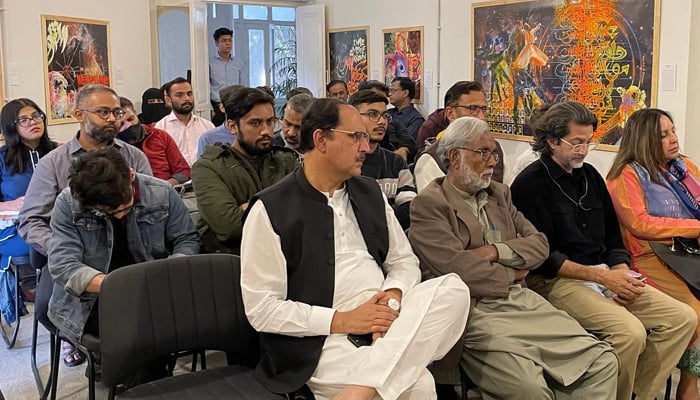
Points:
(401, 94)
(220, 134)
(224, 70)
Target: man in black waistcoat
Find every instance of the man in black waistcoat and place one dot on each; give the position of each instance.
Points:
(330, 280)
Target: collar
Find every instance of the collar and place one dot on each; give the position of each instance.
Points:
(218, 57)
(173, 117)
(74, 145)
(557, 172)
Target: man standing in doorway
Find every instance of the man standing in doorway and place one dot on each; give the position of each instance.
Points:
(182, 124)
(224, 70)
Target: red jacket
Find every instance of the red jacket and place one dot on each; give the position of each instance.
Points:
(436, 123)
(164, 156)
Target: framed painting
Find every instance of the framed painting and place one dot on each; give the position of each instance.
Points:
(601, 53)
(76, 53)
(403, 56)
(348, 55)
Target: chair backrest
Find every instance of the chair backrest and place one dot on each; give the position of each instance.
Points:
(153, 309)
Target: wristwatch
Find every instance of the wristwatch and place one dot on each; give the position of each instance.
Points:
(394, 304)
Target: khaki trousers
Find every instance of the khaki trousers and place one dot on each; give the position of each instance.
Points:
(648, 336)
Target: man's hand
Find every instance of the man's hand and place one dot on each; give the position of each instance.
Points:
(13, 205)
(173, 182)
(243, 206)
(95, 284)
(369, 317)
(389, 294)
(520, 274)
(626, 288)
(403, 152)
(488, 252)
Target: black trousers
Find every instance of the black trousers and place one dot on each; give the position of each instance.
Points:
(218, 117)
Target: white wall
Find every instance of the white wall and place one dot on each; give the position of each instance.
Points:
(675, 42)
(130, 46)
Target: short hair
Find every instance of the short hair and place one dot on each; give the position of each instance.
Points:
(227, 92)
(461, 88)
(100, 178)
(222, 32)
(334, 82)
(125, 103)
(552, 122)
(366, 96)
(460, 132)
(88, 90)
(267, 90)
(641, 143)
(369, 85)
(299, 102)
(406, 84)
(168, 86)
(298, 90)
(243, 100)
(321, 114)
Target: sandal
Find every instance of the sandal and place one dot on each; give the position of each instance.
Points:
(71, 356)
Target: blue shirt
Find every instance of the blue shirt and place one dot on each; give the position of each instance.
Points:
(409, 117)
(219, 134)
(223, 73)
(13, 186)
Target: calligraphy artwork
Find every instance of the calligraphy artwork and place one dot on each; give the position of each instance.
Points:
(76, 53)
(601, 53)
(403, 56)
(348, 55)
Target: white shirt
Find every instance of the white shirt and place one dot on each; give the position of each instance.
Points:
(425, 171)
(186, 136)
(357, 278)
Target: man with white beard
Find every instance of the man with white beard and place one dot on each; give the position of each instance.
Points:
(516, 345)
(587, 273)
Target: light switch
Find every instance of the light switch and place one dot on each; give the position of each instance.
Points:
(13, 74)
(668, 77)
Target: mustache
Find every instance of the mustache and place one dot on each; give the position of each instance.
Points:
(360, 158)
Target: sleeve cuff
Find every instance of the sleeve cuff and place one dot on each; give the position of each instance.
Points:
(320, 320)
(395, 284)
(181, 178)
(80, 279)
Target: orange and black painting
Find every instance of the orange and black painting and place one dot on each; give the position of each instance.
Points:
(601, 53)
(348, 56)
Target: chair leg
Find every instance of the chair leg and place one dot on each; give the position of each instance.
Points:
(32, 355)
(203, 363)
(194, 361)
(55, 361)
(91, 378)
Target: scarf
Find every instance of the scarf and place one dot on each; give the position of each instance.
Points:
(684, 185)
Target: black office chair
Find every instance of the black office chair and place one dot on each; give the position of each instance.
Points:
(14, 263)
(158, 308)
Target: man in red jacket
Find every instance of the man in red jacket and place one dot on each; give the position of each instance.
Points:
(161, 150)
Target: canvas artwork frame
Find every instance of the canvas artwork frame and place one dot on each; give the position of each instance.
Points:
(602, 53)
(76, 53)
(348, 55)
(403, 56)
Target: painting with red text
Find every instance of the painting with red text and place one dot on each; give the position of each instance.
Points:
(76, 53)
(403, 56)
(602, 53)
(348, 53)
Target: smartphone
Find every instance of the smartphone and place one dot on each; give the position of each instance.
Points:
(360, 340)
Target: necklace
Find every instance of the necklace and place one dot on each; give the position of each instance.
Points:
(578, 203)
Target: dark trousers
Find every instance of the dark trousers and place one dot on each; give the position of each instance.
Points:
(218, 117)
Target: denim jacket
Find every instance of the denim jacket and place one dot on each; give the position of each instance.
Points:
(81, 245)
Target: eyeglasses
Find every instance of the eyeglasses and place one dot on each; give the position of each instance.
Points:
(578, 148)
(391, 89)
(104, 113)
(374, 116)
(485, 154)
(355, 136)
(474, 109)
(27, 121)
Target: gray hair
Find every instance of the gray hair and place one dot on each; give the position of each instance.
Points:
(86, 91)
(299, 102)
(460, 132)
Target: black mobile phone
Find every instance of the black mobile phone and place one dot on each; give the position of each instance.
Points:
(360, 340)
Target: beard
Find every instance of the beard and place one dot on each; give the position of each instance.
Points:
(183, 109)
(471, 179)
(252, 149)
(103, 134)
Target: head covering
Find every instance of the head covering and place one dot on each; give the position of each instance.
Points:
(153, 107)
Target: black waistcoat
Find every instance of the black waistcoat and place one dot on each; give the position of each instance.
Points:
(301, 217)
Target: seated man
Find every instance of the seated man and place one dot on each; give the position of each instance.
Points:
(220, 134)
(587, 273)
(165, 158)
(367, 327)
(337, 89)
(401, 94)
(291, 122)
(108, 217)
(226, 177)
(389, 169)
(516, 346)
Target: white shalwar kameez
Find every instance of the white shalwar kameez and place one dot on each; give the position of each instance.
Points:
(432, 318)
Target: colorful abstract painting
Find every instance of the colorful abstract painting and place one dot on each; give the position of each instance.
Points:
(348, 53)
(76, 53)
(602, 53)
(403, 56)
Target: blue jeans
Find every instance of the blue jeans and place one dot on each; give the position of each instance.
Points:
(11, 245)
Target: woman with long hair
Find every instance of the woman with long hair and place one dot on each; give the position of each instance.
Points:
(656, 193)
(23, 126)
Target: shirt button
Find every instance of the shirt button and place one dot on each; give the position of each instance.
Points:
(584, 225)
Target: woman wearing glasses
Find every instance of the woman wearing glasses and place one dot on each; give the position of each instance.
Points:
(655, 192)
(23, 126)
